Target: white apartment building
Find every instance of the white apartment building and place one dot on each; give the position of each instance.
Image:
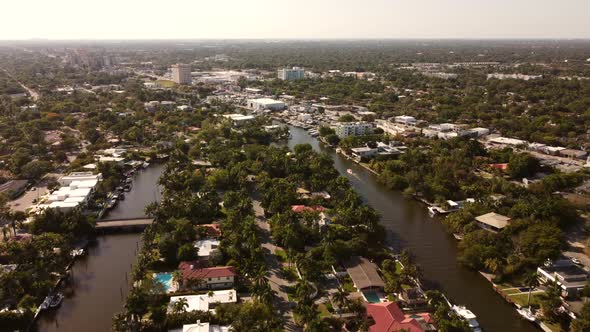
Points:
(353, 129)
(295, 73)
(181, 73)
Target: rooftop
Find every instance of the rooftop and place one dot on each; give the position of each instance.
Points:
(494, 219)
(363, 273)
(202, 302)
(389, 317)
(191, 270)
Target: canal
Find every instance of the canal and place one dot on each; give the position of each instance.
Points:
(101, 280)
(409, 226)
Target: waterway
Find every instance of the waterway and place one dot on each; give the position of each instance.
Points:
(409, 226)
(101, 280)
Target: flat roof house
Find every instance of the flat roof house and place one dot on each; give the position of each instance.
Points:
(204, 302)
(201, 327)
(569, 277)
(492, 221)
(364, 274)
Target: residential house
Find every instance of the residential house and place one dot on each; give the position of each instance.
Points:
(209, 277)
(492, 221)
(570, 278)
(205, 302)
(388, 317)
(364, 274)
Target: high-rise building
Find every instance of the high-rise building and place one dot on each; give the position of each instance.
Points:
(181, 73)
(296, 73)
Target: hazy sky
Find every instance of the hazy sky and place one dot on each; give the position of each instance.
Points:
(157, 19)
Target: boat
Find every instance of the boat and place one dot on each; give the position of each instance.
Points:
(55, 300)
(349, 171)
(127, 188)
(77, 252)
(458, 237)
(121, 197)
(469, 316)
(527, 313)
(45, 304)
(145, 164)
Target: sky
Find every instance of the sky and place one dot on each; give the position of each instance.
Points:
(293, 19)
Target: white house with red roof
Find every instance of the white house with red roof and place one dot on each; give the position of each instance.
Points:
(218, 277)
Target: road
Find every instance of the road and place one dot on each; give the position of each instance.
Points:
(277, 282)
(34, 94)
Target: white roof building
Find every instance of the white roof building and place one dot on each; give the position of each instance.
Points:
(206, 246)
(201, 327)
(202, 302)
(78, 176)
(262, 104)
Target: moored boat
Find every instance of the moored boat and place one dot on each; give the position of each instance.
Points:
(469, 316)
(527, 313)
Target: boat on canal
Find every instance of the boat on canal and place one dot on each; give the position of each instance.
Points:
(469, 316)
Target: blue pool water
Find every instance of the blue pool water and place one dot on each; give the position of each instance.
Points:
(165, 279)
(372, 297)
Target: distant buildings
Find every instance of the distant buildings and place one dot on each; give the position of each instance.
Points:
(262, 104)
(500, 76)
(353, 129)
(295, 73)
(181, 73)
(239, 119)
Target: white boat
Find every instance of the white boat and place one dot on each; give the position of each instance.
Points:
(349, 171)
(145, 164)
(77, 252)
(458, 237)
(527, 313)
(468, 316)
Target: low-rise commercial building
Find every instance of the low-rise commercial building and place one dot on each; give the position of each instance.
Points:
(262, 104)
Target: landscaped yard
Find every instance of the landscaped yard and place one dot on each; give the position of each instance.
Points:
(522, 298)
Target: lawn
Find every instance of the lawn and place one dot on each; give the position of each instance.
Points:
(522, 298)
(166, 83)
(347, 285)
(324, 312)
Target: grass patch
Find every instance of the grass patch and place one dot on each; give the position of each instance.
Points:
(522, 298)
(508, 291)
(166, 83)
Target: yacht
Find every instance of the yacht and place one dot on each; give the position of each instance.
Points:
(469, 316)
(527, 313)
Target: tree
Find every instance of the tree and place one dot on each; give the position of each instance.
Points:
(187, 252)
(531, 281)
(582, 324)
(522, 165)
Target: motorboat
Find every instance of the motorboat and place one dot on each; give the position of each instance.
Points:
(469, 316)
(77, 252)
(145, 164)
(56, 300)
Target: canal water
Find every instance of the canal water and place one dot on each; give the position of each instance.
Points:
(409, 226)
(101, 280)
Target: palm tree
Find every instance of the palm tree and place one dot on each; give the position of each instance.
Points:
(531, 281)
(179, 306)
(341, 298)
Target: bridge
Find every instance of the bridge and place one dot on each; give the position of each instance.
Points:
(126, 224)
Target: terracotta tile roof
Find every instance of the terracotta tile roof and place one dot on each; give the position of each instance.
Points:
(192, 270)
(212, 230)
(301, 208)
(389, 317)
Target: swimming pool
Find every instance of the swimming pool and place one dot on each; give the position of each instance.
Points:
(165, 278)
(372, 297)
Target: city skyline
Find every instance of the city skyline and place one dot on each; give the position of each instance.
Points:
(265, 19)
